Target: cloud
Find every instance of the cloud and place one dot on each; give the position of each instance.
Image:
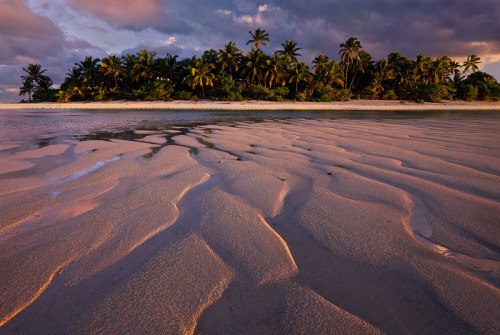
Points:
(25, 35)
(28, 37)
(171, 45)
(132, 14)
(58, 33)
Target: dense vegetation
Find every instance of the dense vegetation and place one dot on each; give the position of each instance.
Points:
(228, 74)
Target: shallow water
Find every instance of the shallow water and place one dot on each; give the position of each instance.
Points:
(43, 127)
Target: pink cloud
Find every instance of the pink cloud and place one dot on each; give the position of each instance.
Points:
(27, 37)
(18, 21)
(133, 14)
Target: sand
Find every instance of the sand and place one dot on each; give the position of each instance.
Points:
(263, 105)
(277, 227)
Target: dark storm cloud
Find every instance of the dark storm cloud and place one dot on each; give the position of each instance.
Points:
(434, 27)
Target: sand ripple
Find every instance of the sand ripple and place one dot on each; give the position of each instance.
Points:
(304, 226)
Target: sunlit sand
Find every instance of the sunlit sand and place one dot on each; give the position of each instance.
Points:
(263, 105)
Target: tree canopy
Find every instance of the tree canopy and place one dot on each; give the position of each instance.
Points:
(229, 74)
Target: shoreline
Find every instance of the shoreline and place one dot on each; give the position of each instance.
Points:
(352, 105)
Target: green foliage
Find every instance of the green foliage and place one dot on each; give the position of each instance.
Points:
(257, 92)
(322, 92)
(280, 93)
(156, 90)
(301, 96)
(67, 94)
(34, 81)
(389, 95)
(471, 92)
(226, 89)
(374, 90)
(223, 74)
(45, 94)
(436, 92)
(184, 95)
(479, 86)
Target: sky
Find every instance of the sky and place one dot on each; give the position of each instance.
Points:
(59, 33)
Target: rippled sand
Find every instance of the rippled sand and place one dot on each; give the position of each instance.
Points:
(295, 227)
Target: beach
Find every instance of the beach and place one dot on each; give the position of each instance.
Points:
(276, 226)
(381, 105)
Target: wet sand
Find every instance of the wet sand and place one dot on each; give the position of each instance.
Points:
(277, 227)
(264, 105)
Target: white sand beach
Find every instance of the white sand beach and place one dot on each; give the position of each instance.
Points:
(277, 227)
(262, 105)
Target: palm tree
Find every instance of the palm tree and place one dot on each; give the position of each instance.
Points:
(277, 70)
(75, 75)
(457, 76)
(211, 56)
(34, 80)
(423, 68)
(146, 66)
(300, 73)
(27, 88)
(349, 53)
(230, 56)
(290, 51)
(405, 75)
(375, 88)
(129, 62)
(319, 62)
(66, 95)
(384, 71)
(331, 73)
(112, 66)
(168, 67)
(201, 75)
(471, 63)
(438, 71)
(90, 70)
(256, 63)
(259, 37)
(362, 64)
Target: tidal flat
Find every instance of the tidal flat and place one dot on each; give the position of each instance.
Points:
(263, 222)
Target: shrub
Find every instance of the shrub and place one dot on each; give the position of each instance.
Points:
(183, 95)
(324, 93)
(471, 92)
(45, 94)
(389, 95)
(435, 92)
(152, 91)
(258, 92)
(280, 93)
(226, 89)
(301, 96)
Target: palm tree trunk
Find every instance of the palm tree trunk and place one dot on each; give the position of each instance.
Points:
(352, 80)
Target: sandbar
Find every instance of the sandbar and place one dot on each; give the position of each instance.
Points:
(262, 105)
